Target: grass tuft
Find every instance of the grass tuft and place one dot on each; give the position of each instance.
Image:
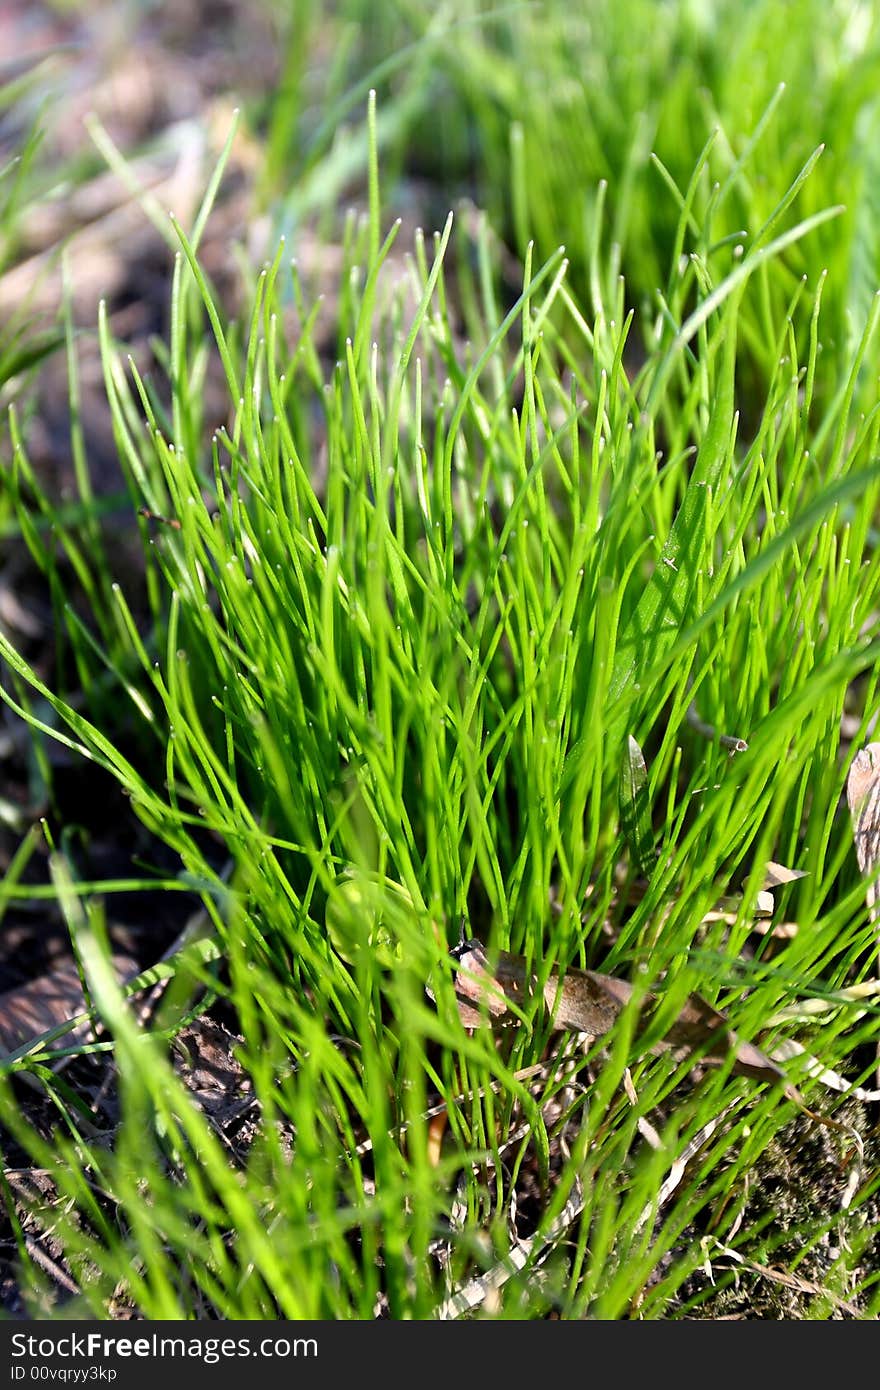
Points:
(459, 624)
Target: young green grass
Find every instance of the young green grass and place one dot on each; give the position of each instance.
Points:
(415, 605)
(685, 123)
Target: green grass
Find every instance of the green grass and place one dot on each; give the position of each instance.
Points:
(418, 601)
(542, 113)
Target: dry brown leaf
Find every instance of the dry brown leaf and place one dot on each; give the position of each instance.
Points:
(590, 1002)
(777, 874)
(31, 1009)
(863, 795)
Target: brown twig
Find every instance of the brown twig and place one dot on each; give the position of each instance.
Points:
(731, 741)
